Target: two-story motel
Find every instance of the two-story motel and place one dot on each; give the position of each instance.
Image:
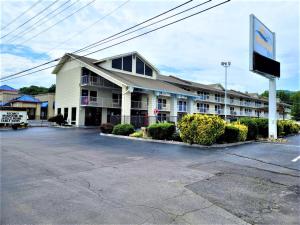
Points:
(127, 88)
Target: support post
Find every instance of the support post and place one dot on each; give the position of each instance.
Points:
(272, 109)
(126, 105)
(173, 109)
(152, 105)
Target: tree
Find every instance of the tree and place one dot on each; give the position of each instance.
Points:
(52, 88)
(35, 90)
(295, 111)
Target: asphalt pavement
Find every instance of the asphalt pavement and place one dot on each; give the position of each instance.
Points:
(75, 176)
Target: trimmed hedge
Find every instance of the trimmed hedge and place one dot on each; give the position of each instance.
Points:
(201, 129)
(234, 132)
(252, 128)
(161, 131)
(262, 126)
(59, 119)
(123, 129)
(106, 128)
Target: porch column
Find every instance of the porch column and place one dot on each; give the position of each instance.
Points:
(126, 105)
(104, 115)
(190, 106)
(80, 117)
(152, 105)
(38, 112)
(173, 109)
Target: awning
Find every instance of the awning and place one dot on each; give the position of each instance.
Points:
(44, 105)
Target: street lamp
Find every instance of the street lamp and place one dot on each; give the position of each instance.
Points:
(226, 65)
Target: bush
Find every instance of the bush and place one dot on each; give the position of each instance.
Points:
(106, 128)
(262, 126)
(201, 129)
(234, 132)
(252, 127)
(59, 119)
(288, 127)
(176, 137)
(123, 129)
(138, 134)
(161, 131)
(280, 128)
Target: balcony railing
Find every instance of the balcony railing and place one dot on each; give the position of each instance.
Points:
(100, 102)
(141, 105)
(203, 110)
(182, 108)
(97, 81)
(219, 111)
(163, 107)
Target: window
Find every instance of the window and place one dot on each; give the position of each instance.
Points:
(201, 107)
(93, 93)
(127, 63)
(66, 113)
(73, 117)
(232, 111)
(148, 71)
(182, 106)
(231, 99)
(218, 109)
(116, 98)
(58, 111)
(84, 92)
(85, 71)
(140, 66)
(203, 95)
(117, 63)
(161, 103)
(162, 117)
(217, 98)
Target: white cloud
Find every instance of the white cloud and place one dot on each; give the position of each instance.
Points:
(195, 46)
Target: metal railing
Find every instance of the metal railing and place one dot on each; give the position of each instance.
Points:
(163, 107)
(139, 105)
(100, 102)
(97, 81)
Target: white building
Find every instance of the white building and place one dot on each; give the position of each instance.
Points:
(127, 88)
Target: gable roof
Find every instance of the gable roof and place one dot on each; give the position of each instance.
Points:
(127, 54)
(26, 98)
(7, 88)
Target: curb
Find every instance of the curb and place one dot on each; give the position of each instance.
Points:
(177, 142)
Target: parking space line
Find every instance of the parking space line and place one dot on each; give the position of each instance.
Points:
(296, 159)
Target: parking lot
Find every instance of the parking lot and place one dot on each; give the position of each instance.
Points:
(76, 176)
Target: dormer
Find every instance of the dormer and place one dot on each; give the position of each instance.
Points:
(130, 63)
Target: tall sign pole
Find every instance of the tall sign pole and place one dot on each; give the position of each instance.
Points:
(262, 60)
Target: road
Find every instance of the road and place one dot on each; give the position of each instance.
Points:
(76, 176)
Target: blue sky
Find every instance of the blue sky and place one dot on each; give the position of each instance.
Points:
(192, 49)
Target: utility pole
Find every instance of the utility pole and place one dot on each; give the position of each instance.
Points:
(226, 65)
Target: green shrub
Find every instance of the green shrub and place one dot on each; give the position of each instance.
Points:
(59, 119)
(288, 127)
(137, 134)
(161, 131)
(176, 137)
(280, 128)
(201, 129)
(123, 129)
(252, 127)
(234, 132)
(262, 126)
(106, 128)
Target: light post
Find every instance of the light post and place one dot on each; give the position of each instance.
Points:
(226, 65)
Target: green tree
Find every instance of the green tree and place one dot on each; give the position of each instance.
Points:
(52, 88)
(33, 90)
(296, 106)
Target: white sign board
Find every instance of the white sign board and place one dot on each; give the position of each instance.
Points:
(13, 117)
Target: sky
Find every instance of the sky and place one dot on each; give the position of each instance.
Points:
(191, 49)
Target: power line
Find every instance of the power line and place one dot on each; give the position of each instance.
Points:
(145, 33)
(154, 17)
(27, 21)
(39, 22)
(141, 28)
(88, 27)
(23, 13)
(58, 22)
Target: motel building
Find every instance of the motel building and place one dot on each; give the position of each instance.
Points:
(127, 88)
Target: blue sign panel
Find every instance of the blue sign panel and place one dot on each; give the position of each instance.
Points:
(263, 40)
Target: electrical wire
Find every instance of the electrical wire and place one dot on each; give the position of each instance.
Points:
(145, 33)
